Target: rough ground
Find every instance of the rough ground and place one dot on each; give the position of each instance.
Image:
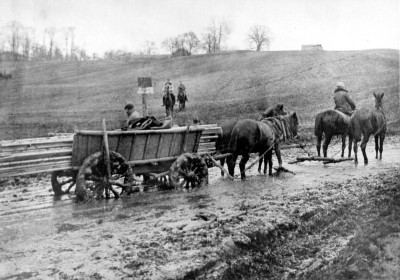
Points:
(326, 222)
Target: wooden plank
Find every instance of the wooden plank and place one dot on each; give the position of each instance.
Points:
(46, 146)
(75, 154)
(197, 141)
(138, 149)
(33, 161)
(165, 144)
(207, 145)
(41, 140)
(129, 132)
(209, 138)
(154, 160)
(36, 168)
(125, 146)
(32, 156)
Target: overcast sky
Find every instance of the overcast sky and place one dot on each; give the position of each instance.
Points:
(102, 25)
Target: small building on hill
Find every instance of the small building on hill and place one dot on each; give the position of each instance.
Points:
(181, 52)
(312, 48)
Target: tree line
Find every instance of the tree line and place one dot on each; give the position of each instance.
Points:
(23, 43)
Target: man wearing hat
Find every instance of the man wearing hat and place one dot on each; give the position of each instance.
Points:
(343, 102)
(131, 113)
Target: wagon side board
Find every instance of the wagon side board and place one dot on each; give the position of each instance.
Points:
(138, 147)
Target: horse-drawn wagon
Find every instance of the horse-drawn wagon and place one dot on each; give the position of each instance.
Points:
(97, 162)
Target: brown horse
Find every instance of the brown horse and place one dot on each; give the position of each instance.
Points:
(331, 123)
(250, 136)
(368, 122)
(222, 143)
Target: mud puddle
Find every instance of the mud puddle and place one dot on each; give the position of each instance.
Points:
(156, 234)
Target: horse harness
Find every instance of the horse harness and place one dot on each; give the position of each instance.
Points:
(280, 127)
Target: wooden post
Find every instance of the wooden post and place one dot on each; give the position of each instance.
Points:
(144, 105)
(106, 158)
(145, 86)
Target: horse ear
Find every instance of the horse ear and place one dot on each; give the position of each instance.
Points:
(374, 94)
(382, 94)
(294, 115)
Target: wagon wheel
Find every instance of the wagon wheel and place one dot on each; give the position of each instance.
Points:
(189, 170)
(62, 181)
(92, 180)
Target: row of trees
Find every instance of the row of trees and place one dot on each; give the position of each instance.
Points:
(23, 43)
(212, 40)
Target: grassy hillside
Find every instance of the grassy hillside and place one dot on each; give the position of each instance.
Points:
(48, 96)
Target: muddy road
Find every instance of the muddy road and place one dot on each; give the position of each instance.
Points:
(173, 234)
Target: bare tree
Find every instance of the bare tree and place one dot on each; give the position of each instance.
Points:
(14, 36)
(170, 44)
(66, 34)
(27, 42)
(217, 32)
(192, 41)
(148, 48)
(51, 32)
(72, 36)
(208, 42)
(259, 36)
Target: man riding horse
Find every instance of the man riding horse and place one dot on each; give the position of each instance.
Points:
(168, 98)
(343, 102)
(182, 97)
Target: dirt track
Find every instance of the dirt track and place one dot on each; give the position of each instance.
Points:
(209, 233)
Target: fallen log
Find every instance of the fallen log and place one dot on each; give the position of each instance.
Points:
(339, 160)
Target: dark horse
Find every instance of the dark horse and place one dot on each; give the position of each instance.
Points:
(250, 136)
(222, 143)
(182, 98)
(331, 123)
(169, 102)
(366, 122)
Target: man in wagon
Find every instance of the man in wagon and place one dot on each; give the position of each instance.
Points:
(168, 87)
(132, 114)
(343, 102)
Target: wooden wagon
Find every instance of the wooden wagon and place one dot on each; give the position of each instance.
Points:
(100, 161)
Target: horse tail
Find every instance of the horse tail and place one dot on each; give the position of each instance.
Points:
(319, 125)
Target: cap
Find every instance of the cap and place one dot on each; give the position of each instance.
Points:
(129, 106)
(341, 85)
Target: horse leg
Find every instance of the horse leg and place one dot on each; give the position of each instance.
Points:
(231, 160)
(319, 140)
(278, 155)
(376, 145)
(269, 158)
(327, 140)
(343, 144)
(382, 138)
(350, 144)
(260, 161)
(222, 161)
(242, 165)
(363, 146)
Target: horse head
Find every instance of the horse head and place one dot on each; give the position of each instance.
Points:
(293, 122)
(378, 100)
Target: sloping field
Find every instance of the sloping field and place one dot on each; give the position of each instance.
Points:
(58, 96)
